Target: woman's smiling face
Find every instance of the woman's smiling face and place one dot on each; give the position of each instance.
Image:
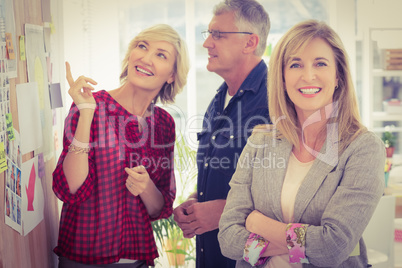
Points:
(151, 64)
(310, 77)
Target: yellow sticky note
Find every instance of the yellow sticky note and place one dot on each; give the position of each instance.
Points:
(10, 46)
(3, 160)
(52, 28)
(22, 48)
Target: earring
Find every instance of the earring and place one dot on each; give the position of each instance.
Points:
(336, 87)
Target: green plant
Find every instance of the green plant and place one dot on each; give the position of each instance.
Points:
(166, 231)
(389, 139)
(170, 236)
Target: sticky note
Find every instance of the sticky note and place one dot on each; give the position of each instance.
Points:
(10, 46)
(52, 28)
(55, 96)
(10, 129)
(22, 48)
(3, 160)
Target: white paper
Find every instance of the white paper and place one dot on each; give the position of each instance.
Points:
(32, 198)
(37, 72)
(29, 117)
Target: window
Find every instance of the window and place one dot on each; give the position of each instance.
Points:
(189, 18)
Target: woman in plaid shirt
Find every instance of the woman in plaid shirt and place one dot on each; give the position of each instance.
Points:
(115, 174)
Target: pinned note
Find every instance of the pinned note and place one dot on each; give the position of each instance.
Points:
(22, 48)
(3, 160)
(10, 128)
(41, 166)
(55, 96)
(10, 46)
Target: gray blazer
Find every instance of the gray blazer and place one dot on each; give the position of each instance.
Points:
(337, 198)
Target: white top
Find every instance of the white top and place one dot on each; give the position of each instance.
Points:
(227, 99)
(294, 177)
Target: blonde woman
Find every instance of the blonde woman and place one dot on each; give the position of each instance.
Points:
(309, 184)
(115, 174)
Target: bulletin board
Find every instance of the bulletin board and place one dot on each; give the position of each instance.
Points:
(35, 247)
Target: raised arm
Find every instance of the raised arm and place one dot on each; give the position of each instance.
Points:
(75, 165)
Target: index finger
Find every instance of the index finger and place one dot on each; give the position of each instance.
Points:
(69, 76)
(133, 173)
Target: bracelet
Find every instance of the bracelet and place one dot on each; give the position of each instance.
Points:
(86, 106)
(80, 144)
(77, 150)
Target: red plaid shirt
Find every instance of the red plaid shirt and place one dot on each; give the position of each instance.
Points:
(103, 222)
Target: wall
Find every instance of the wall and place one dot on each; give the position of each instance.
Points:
(34, 249)
(87, 48)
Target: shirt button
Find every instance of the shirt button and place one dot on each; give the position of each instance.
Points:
(202, 250)
(206, 164)
(213, 137)
(231, 136)
(241, 90)
(201, 193)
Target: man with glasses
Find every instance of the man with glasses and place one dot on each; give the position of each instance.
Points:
(236, 40)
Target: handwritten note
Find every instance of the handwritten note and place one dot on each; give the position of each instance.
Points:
(10, 46)
(22, 48)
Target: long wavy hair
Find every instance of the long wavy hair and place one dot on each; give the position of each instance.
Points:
(345, 100)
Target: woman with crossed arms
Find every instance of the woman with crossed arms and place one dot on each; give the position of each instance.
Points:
(305, 187)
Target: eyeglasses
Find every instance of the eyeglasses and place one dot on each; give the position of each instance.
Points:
(217, 34)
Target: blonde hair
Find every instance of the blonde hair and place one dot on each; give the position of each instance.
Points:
(163, 32)
(280, 105)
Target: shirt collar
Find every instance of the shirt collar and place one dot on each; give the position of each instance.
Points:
(253, 80)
